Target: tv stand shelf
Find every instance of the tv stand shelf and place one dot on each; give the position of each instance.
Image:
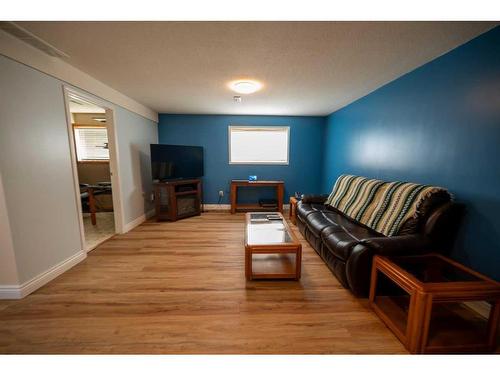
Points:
(177, 199)
(186, 192)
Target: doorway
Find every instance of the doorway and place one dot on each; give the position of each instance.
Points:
(94, 160)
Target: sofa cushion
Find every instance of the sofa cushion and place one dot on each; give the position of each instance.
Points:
(317, 222)
(341, 242)
(336, 266)
(304, 209)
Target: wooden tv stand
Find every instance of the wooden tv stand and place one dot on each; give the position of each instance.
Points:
(177, 199)
(235, 184)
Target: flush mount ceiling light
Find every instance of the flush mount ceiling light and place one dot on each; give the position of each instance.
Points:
(245, 86)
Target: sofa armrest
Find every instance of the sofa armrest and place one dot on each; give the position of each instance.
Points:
(399, 245)
(359, 264)
(312, 198)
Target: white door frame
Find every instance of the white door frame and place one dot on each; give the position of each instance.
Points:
(113, 159)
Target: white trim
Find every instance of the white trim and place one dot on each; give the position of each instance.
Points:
(216, 207)
(19, 51)
(74, 167)
(10, 292)
(114, 167)
(8, 266)
(21, 291)
(138, 221)
(227, 207)
(118, 208)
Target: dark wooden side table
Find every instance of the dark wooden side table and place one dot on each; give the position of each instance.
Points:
(235, 184)
(431, 304)
(292, 215)
(92, 191)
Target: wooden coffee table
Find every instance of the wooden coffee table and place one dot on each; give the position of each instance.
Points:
(436, 305)
(272, 251)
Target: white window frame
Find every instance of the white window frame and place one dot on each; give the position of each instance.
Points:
(263, 128)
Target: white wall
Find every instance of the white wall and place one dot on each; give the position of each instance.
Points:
(8, 268)
(36, 168)
(134, 135)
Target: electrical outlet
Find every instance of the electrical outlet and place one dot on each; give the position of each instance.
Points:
(152, 197)
(221, 193)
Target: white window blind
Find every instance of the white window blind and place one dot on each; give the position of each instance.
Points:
(91, 143)
(258, 145)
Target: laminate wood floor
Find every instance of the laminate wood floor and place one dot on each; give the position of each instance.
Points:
(180, 288)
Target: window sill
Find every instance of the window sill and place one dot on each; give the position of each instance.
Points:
(93, 162)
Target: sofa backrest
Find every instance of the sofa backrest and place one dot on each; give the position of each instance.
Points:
(353, 195)
(389, 208)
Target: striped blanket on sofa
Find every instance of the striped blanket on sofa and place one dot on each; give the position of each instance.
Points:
(383, 206)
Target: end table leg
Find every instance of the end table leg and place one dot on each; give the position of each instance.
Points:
(280, 193)
(92, 206)
(248, 264)
(234, 198)
(493, 325)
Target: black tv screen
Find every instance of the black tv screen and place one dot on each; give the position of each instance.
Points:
(174, 162)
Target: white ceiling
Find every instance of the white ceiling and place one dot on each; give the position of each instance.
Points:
(308, 68)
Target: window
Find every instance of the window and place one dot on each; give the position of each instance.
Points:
(91, 143)
(258, 145)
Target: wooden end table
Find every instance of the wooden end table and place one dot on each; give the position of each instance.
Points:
(292, 215)
(272, 251)
(433, 304)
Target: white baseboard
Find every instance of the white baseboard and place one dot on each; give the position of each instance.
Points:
(21, 291)
(216, 207)
(138, 221)
(10, 292)
(227, 207)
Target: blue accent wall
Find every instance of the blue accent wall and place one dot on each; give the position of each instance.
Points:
(440, 125)
(211, 131)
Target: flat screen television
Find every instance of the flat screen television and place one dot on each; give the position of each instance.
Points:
(169, 162)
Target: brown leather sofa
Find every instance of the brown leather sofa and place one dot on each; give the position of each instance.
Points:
(347, 246)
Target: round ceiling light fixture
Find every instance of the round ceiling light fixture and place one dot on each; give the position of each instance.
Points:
(245, 86)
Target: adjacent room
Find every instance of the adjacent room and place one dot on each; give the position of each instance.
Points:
(249, 187)
(91, 146)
